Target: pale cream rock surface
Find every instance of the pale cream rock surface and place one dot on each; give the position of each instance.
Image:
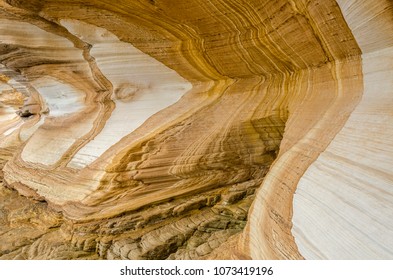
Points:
(343, 203)
(61, 100)
(142, 87)
(173, 129)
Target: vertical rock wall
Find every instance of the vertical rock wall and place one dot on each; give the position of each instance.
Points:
(149, 128)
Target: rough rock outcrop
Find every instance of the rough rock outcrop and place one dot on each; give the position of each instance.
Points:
(196, 129)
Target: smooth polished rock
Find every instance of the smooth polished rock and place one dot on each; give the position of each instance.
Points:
(195, 129)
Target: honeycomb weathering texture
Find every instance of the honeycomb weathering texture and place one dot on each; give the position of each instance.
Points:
(168, 129)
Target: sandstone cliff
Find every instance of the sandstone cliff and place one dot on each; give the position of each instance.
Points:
(167, 129)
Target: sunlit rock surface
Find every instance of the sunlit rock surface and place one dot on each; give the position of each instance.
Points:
(196, 129)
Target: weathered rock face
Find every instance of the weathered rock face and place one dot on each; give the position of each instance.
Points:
(182, 129)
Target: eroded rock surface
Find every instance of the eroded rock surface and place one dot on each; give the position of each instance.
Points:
(182, 129)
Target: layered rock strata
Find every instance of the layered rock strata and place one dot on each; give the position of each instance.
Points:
(182, 129)
(343, 203)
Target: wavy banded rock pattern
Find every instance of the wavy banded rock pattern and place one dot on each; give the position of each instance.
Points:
(182, 129)
(355, 178)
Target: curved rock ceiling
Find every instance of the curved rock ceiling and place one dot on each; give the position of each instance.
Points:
(167, 129)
